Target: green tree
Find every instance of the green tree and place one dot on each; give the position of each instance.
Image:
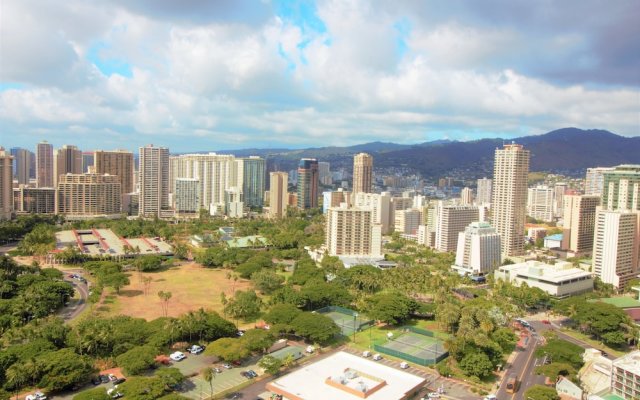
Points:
(505, 338)
(228, 349)
(270, 364)
(209, 374)
(315, 327)
(476, 364)
(391, 308)
(257, 339)
(282, 314)
(171, 377)
(98, 393)
(63, 369)
(540, 392)
(266, 281)
(137, 360)
(553, 370)
(561, 351)
(244, 304)
(143, 388)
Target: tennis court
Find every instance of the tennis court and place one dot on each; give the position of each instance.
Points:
(415, 345)
(346, 319)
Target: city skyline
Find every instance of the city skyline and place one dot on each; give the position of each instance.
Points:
(273, 74)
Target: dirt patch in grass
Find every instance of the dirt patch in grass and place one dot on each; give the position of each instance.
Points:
(192, 287)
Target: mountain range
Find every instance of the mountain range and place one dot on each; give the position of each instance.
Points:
(567, 150)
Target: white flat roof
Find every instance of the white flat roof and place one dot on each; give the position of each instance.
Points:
(309, 382)
(629, 362)
(552, 273)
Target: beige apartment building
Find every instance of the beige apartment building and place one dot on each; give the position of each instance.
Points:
(30, 200)
(579, 222)
(278, 194)
(154, 181)
(84, 196)
(451, 221)
(362, 173)
(67, 160)
(350, 231)
(44, 165)
(510, 174)
(117, 162)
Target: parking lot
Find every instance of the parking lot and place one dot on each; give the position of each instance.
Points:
(198, 388)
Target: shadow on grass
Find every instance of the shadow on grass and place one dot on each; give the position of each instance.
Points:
(130, 293)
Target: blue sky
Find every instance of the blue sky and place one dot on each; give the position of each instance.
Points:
(203, 75)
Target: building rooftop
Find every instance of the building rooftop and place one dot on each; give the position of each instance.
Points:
(344, 376)
(629, 362)
(560, 272)
(557, 236)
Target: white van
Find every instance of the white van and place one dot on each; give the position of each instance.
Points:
(377, 357)
(404, 365)
(366, 353)
(310, 349)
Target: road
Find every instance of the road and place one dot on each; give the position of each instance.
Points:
(77, 305)
(524, 368)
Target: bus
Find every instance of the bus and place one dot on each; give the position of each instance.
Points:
(512, 384)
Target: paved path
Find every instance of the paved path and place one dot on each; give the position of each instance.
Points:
(77, 305)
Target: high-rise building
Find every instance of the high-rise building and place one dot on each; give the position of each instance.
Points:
(594, 180)
(621, 188)
(119, 163)
(67, 160)
(278, 194)
(579, 222)
(559, 190)
(451, 221)
(478, 251)
(233, 204)
(616, 246)
(307, 183)
(215, 172)
(407, 221)
(84, 196)
(509, 197)
(324, 173)
(22, 160)
(541, 203)
(466, 196)
(380, 206)
(351, 232)
(362, 173)
(6, 184)
(483, 191)
(88, 162)
(187, 196)
(335, 198)
(34, 200)
(44, 165)
(154, 181)
(251, 176)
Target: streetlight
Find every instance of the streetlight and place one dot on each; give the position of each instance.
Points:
(355, 315)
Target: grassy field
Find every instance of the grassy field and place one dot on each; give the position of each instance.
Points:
(192, 287)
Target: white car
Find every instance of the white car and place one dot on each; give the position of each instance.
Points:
(36, 396)
(490, 397)
(377, 357)
(434, 395)
(177, 356)
(404, 365)
(195, 349)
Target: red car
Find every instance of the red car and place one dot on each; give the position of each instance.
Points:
(546, 322)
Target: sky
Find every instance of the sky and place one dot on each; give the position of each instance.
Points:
(197, 75)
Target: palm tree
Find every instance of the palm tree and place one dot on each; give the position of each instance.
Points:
(209, 374)
(164, 297)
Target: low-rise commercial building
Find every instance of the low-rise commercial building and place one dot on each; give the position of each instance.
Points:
(560, 280)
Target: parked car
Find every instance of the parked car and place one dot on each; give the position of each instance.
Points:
(114, 393)
(245, 374)
(119, 381)
(366, 353)
(310, 349)
(36, 396)
(217, 370)
(240, 333)
(490, 397)
(237, 363)
(177, 356)
(252, 373)
(103, 378)
(112, 377)
(433, 395)
(195, 349)
(226, 366)
(96, 380)
(377, 357)
(404, 365)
